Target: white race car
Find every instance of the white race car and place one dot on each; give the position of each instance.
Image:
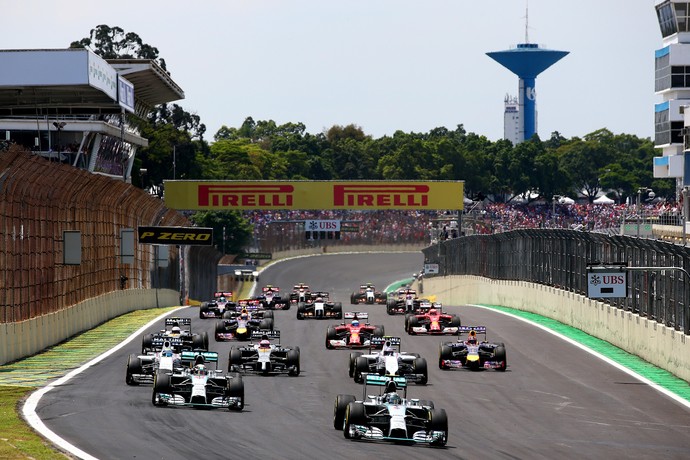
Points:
(198, 385)
(389, 416)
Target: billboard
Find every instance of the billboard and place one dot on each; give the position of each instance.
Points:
(358, 195)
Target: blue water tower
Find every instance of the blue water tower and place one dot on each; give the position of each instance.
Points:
(527, 61)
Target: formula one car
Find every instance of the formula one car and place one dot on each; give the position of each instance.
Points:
(264, 357)
(221, 302)
(368, 294)
(198, 386)
(142, 368)
(390, 417)
(270, 299)
(354, 334)
(319, 307)
(252, 307)
(240, 327)
(433, 321)
(404, 301)
(472, 353)
(300, 293)
(389, 361)
(179, 332)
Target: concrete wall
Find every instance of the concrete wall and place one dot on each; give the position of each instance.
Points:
(19, 340)
(345, 248)
(652, 341)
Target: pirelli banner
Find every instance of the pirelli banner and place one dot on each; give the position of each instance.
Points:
(176, 235)
(230, 195)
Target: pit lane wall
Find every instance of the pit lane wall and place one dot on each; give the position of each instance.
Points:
(25, 338)
(650, 340)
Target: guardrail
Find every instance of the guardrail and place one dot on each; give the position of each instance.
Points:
(559, 258)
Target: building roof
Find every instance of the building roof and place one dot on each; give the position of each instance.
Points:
(62, 81)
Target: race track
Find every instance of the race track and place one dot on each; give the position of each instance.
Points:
(554, 401)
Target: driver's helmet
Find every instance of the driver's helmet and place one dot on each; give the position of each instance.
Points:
(176, 330)
(167, 353)
(319, 299)
(472, 338)
(200, 369)
(265, 343)
(387, 349)
(244, 315)
(355, 323)
(222, 299)
(394, 398)
(433, 311)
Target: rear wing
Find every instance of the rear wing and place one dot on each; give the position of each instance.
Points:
(178, 321)
(356, 315)
(382, 380)
(190, 356)
(227, 294)
(323, 294)
(377, 342)
(270, 335)
(249, 304)
(270, 289)
(476, 329)
(158, 342)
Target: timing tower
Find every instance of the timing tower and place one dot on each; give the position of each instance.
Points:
(527, 61)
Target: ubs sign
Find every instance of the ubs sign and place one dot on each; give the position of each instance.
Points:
(606, 282)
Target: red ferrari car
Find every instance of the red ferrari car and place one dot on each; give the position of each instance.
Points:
(433, 321)
(356, 334)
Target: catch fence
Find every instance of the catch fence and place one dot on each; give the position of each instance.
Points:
(560, 258)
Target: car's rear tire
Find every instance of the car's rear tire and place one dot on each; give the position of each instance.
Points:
(420, 367)
(301, 309)
(353, 356)
(234, 359)
(338, 310)
(361, 366)
(203, 309)
(500, 355)
(198, 342)
(293, 360)
(228, 314)
(268, 314)
(455, 322)
(339, 409)
(146, 343)
(379, 331)
(266, 324)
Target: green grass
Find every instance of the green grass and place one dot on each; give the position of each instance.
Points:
(17, 439)
(18, 379)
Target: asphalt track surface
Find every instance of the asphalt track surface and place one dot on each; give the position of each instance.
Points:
(554, 401)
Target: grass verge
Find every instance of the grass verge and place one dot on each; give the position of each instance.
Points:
(18, 379)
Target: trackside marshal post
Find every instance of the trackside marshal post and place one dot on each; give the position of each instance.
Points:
(359, 195)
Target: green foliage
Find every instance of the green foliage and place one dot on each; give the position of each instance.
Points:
(231, 232)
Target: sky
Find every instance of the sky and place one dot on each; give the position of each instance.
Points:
(383, 65)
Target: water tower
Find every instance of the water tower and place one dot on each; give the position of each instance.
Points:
(527, 60)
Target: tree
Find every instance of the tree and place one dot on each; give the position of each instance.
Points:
(231, 232)
(114, 43)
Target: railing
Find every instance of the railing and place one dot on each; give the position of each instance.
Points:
(560, 258)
